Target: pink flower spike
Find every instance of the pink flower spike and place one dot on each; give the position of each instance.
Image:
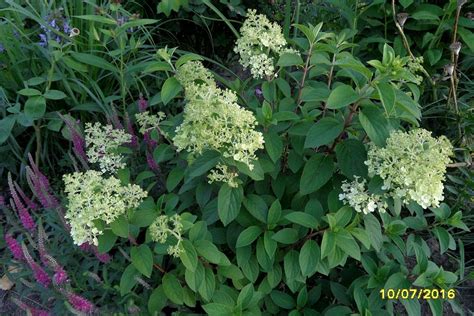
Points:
(60, 276)
(15, 247)
(151, 162)
(40, 275)
(142, 104)
(32, 205)
(80, 303)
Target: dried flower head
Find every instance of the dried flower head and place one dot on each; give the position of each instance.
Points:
(402, 18)
(455, 48)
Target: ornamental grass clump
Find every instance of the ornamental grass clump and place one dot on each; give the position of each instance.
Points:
(213, 119)
(93, 197)
(412, 166)
(260, 41)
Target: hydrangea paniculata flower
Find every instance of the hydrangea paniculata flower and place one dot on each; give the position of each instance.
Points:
(166, 226)
(356, 195)
(260, 39)
(102, 144)
(93, 197)
(412, 166)
(214, 120)
(147, 121)
(222, 173)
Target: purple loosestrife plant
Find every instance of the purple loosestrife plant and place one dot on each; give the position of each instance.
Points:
(40, 275)
(15, 247)
(25, 217)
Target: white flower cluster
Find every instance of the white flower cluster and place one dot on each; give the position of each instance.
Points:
(166, 226)
(147, 121)
(222, 174)
(102, 144)
(92, 197)
(356, 195)
(412, 165)
(214, 120)
(260, 40)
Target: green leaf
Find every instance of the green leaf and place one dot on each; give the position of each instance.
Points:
(351, 155)
(208, 286)
(327, 244)
(29, 92)
(106, 241)
(35, 107)
(443, 238)
(218, 309)
(387, 97)
(54, 95)
(286, 236)
(128, 279)
(174, 178)
(142, 259)
(209, 251)
(375, 125)
(323, 132)
(229, 201)
(187, 57)
(248, 236)
(202, 164)
(341, 96)
(170, 89)
(120, 226)
(314, 94)
(309, 258)
(282, 299)
(157, 301)
(6, 126)
(256, 206)
(273, 145)
(245, 296)
(97, 18)
(316, 173)
(303, 219)
(374, 230)
(172, 288)
(94, 60)
(347, 243)
(274, 213)
(468, 37)
(189, 255)
(289, 59)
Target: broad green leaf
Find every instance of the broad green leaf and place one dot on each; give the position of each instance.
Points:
(290, 59)
(54, 95)
(283, 299)
(309, 258)
(375, 125)
(443, 238)
(347, 243)
(341, 96)
(229, 201)
(218, 309)
(106, 241)
(128, 279)
(248, 236)
(323, 132)
(189, 255)
(120, 227)
(387, 97)
(273, 145)
(256, 206)
(286, 236)
(374, 230)
(6, 126)
(316, 173)
(35, 107)
(29, 92)
(313, 94)
(202, 164)
(303, 219)
(174, 178)
(351, 155)
(157, 300)
(328, 243)
(172, 288)
(142, 259)
(170, 89)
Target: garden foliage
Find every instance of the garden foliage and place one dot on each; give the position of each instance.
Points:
(303, 187)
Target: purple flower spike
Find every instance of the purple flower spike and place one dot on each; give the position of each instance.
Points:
(134, 142)
(40, 275)
(80, 303)
(102, 257)
(142, 104)
(25, 217)
(32, 205)
(15, 247)
(60, 276)
(151, 162)
(33, 311)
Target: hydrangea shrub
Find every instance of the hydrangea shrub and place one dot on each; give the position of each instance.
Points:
(305, 199)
